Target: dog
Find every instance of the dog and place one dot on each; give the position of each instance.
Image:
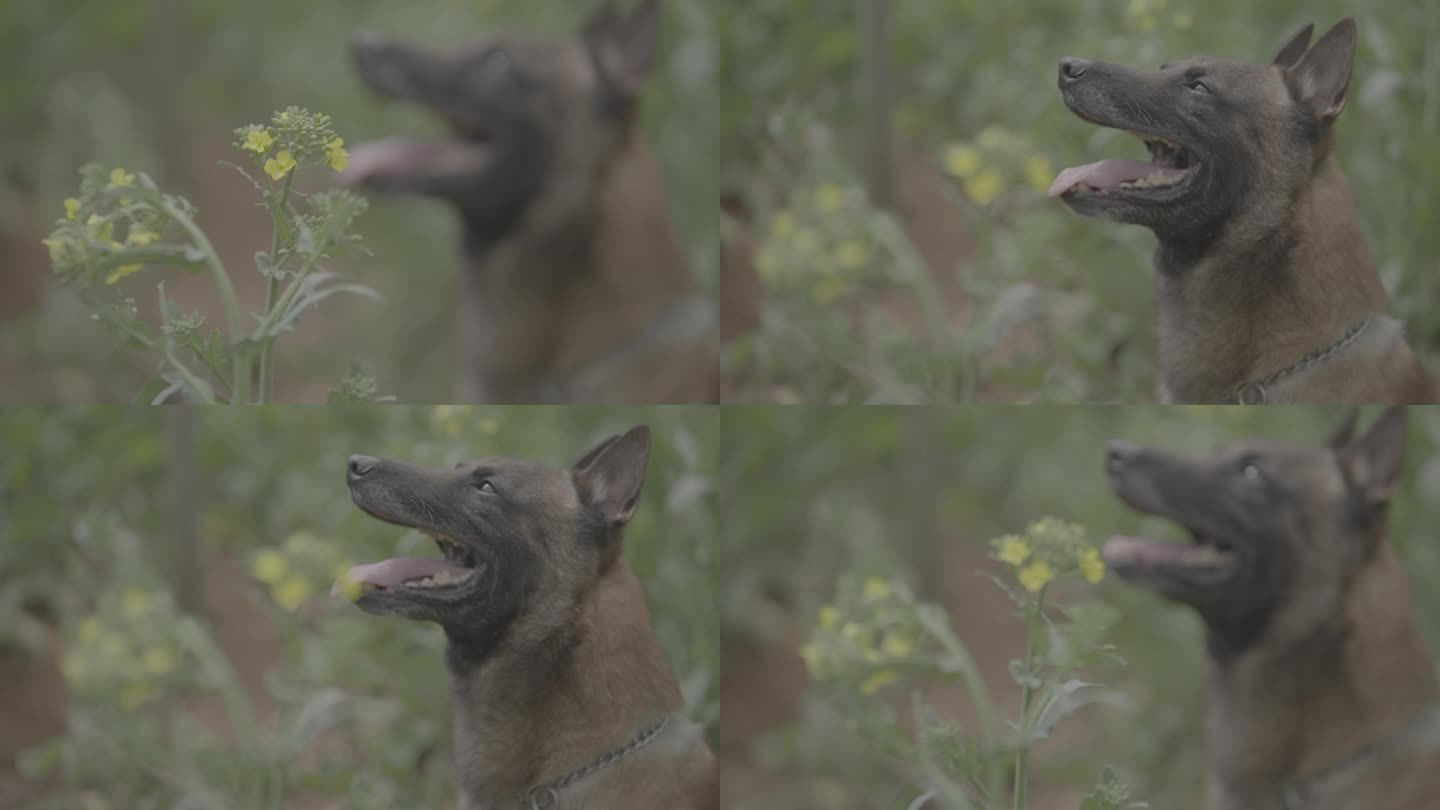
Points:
(575, 286)
(1322, 695)
(1264, 288)
(561, 694)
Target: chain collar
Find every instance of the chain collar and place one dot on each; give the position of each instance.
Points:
(547, 796)
(1255, 393)
(1422, 730)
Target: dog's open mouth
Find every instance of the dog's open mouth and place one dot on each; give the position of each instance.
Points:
(1205, 559)
(1170, 164)
(458, 567)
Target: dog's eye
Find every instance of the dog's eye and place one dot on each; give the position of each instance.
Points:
(1197, 86)
(484, 486)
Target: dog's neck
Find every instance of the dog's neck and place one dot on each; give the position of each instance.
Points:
(1283, 712)
(1282, 281)
(580, 275)
(543, 707)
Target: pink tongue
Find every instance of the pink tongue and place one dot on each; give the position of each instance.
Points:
(1129, 551)
(399, 570)
(406, 158)
(1102, 174)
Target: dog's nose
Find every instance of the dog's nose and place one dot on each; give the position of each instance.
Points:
(1072, 68)
(360, 466)
(1118, 454)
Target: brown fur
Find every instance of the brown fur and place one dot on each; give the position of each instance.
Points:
(1261, 258)
(1315, 651)
(553, 660)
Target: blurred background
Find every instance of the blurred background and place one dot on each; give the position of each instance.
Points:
(885, 164)
(811, 496)
(166, 638)
(160, 85)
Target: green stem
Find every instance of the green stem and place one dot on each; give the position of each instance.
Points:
(272, 287)
(239, 357)
(974, 683)
(1022, 751)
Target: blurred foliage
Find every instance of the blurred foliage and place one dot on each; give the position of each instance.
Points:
(816, 497)
(85, 527)
(975, 89)
(146, 84)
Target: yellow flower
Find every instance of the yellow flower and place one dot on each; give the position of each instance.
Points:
(1146, 24)
(1091, 566)
(73, 667)
(878, 681)
(810, 653)
(992, 137)
(852, 633)
(159, 660)
(89, 629)
(782, 225)
(132, 696)
(852, 254)
(1183, 22)
(1138, 7)
(828, 289)
(55, 246)
(828, 615)
(335, 154)
(766, 265)
(1036, 575)
(347, 586)
(72, 207)
(258, 141)
(1013, 550)
(1038, 172)
(136, 603)
(984, 187)
(141, 236)
(897, 646)
(112, 647)
(489, 426)
(280, 165)
(962, 160)
(120, 178)
(122, 271)
(829, 198)
(291, 593)
(875, 588)
(270, 566)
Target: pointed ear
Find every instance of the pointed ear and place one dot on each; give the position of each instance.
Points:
(610, 476)
(1321, 79)
(1344, 432)
(1373, 463)
(1294, 48)
(624, 47)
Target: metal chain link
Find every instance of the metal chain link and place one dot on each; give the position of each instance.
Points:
(1254, 393)
(547, 796)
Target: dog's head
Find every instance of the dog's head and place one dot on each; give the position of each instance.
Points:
(1218, 131)
(529, 115)
(508, 529)
(1276, 530)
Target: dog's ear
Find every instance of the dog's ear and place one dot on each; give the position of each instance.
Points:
(1373, 462)
(1345, 431)
(610, 476)
(1295, 47)
(1321, 78)
(624, 46)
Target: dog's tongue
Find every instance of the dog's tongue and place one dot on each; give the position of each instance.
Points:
(1138, 552)
(393, 161)
(399, 570)
(1102, 174)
